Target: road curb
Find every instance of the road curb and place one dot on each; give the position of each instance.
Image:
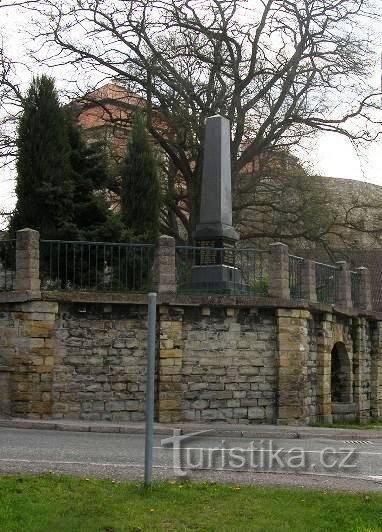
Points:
(291, 435)
(83, 427)
(255, 432)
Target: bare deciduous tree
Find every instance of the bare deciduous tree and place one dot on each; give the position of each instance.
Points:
(10, 92)
(10, 100)
(280, 70)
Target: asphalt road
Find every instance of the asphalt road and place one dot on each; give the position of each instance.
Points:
(318, 463)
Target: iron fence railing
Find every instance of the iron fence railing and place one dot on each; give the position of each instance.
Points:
(7, 264)
(355, 279)
(372, 260)
(95, 266)
(327, 283)
(210, 270)
(295, 276)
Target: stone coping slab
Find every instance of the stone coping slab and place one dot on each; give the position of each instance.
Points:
(182, 301)
(206, 300)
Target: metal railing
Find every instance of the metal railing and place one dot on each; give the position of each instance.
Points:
(95, 266)
(211, 270)
(295, 276)
(327, 283)
(7, 264)
(355, 279)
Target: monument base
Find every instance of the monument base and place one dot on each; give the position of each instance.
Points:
(219, 279)
(216, 231)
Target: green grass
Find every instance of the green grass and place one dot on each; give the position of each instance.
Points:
(356, 426)
(51, 503)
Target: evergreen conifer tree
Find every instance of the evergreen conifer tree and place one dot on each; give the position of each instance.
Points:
(91, 217)
(44, 185)
(140, 188)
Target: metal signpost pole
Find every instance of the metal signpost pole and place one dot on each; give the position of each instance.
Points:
(150, 383)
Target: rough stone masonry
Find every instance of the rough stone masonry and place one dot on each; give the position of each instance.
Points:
(217, 361)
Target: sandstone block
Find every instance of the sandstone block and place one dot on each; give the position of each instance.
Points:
(169, 404)
(171, 353)
(248, 370)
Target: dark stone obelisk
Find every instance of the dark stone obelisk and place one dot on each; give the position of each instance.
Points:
(216, 269)
(216, 198)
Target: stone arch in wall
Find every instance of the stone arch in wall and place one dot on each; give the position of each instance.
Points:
(341, 374)
(336, 347)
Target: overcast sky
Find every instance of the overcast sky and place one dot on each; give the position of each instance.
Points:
(330, 155)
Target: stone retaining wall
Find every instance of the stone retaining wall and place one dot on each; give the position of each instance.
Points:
(216, 361)
(100, 362)
(213, 364)
(225, 365)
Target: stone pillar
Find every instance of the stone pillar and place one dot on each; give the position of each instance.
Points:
(27, 260)
(309, 292)
(279, 271)
(170, 392)
(344, 284)
(376, 372)
(33, 361)
(324, 370)
(357, 347)
(362, 370)
(165, 267)
(293, 348)
(365, 288)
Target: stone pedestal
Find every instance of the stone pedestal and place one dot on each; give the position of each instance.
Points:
(219, 278)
